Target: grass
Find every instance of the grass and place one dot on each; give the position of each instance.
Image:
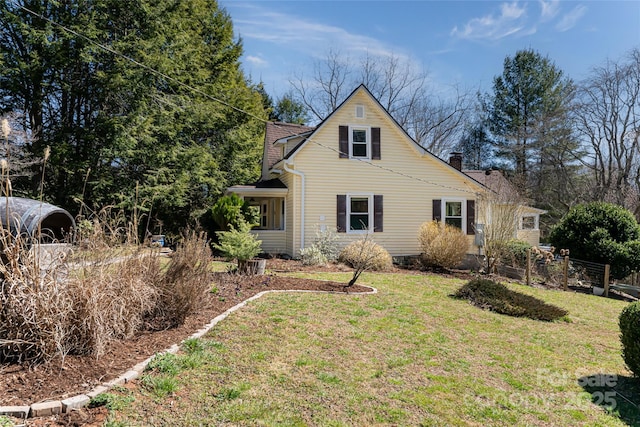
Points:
(410, 355)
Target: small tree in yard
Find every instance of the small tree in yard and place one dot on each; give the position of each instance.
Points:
(239, 244)
(363, 255)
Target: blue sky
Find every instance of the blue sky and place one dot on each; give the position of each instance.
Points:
(460, 43)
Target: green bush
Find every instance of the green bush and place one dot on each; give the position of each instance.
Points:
(238, 243)
(493, 296)
(630, 336)
(515, 253)
(600, 232)
(231, 210)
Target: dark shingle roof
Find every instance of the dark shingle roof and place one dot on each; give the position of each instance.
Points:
(276, 131)
(496, 181)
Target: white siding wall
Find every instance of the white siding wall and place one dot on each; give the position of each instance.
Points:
(407, 201)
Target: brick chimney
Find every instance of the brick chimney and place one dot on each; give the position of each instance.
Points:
(455, 160)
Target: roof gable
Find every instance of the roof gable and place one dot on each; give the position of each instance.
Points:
(417, 148)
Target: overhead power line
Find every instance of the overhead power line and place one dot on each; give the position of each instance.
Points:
(222, 102)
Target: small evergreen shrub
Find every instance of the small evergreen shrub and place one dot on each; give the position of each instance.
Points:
(599, 232)
(442, 246)
(629, 322)
(238, 243)
(231, 210)
(493, 296)
(366, 254)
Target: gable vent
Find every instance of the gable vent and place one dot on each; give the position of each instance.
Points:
(360, 111)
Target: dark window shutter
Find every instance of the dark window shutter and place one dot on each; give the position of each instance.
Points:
(471, 217)
(375, 143)
(437, 210)
(377, 213)
(341, 219)
(343, 141)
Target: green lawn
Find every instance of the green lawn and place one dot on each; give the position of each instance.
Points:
(410, 355)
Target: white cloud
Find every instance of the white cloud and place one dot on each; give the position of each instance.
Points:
(549, 9)
(510, 21)
(570, 19)
(303, 35)
(256, 60)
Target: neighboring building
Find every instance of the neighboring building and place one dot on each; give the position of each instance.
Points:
(357, 171)
(506, 198)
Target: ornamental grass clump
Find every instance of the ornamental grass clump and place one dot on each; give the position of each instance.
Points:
(185, 282)
(443, 245)
(493, 296)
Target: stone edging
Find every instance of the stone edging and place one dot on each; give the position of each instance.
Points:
(55, 407)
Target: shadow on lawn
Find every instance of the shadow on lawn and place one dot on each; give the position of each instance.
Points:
(618, 395)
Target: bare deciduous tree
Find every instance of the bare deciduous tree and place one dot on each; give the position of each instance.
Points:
(400, 86)
(609, 119)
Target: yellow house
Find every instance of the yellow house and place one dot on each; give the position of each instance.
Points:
(356, 172)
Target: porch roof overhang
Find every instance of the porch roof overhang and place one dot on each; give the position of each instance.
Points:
(268, 188)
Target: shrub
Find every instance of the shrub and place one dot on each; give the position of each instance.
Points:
(366, 253)
(363, 255)
(327, 244)
(312, 256)
(599, 232)
(238, 243)
(493, 296)
(515, 253)
(230, 211)
(442, 246)
(629, 322)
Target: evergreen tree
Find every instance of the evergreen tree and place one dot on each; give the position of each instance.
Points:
(528, 116)
(168, 142)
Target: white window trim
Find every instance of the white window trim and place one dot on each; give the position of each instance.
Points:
(368, 133)
(271, 208)
(369, 197)
(443, 211)
(536, 222)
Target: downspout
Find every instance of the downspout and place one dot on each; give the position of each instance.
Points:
(301, 175)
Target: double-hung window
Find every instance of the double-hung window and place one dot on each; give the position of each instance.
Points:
(359, 214)
(359, 143)
(453, 213)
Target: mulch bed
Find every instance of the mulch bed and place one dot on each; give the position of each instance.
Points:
(73, 375)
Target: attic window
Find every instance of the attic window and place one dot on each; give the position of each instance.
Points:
(360, 111)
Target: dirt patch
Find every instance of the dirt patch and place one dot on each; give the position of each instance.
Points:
(73, 375)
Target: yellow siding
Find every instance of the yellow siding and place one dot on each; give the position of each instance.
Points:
(407, 200)
(530, 236)
(273, 241)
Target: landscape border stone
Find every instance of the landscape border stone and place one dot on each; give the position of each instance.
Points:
(54, 407)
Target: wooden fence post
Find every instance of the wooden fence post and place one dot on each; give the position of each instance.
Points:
(565, 274)
(528, 269)
(607, 268)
